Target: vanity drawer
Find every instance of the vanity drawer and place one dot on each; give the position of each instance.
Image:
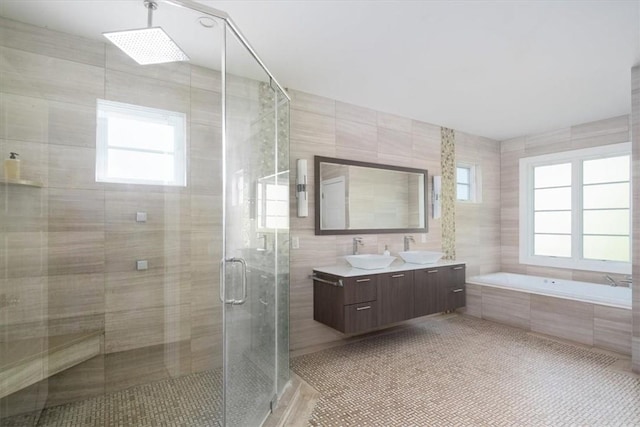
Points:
(360, 289)
(360, 317)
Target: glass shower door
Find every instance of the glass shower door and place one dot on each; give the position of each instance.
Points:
(256, 213)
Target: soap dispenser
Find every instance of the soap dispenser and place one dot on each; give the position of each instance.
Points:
(12, 167)
(386, 250)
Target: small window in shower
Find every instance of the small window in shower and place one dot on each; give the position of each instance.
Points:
(140, 145)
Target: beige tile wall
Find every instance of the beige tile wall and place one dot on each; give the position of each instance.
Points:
(635, 133)
(68, 249)
(326, 127)
(608, 131)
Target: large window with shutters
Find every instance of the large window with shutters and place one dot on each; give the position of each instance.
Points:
(575, 209)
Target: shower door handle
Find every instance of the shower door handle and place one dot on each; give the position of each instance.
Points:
(223, 284)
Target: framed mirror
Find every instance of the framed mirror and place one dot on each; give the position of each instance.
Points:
(355, 197)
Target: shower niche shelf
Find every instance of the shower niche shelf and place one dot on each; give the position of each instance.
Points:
(22, 182)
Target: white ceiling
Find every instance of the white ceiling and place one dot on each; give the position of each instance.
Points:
(498, 69)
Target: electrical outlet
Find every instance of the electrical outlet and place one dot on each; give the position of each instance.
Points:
(295, 242)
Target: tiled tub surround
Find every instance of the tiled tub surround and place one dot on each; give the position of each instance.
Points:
(586, 313)
(613, 130)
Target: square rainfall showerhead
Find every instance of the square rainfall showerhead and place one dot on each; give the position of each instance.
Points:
(147, 45)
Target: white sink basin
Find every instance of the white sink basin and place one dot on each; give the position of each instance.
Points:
(370, 261)
(420, 257)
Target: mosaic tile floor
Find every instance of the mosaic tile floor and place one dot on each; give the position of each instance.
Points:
(192, 400)
(467, 372)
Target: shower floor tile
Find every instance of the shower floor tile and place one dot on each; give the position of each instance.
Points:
(191, 400)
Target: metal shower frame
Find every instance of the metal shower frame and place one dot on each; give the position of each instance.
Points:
(228, 22)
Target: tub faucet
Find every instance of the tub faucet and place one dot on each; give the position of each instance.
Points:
(628, 280)
(357, 241)
(408, 239)
(611, 280)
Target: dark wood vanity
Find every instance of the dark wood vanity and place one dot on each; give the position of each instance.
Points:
(358, 302)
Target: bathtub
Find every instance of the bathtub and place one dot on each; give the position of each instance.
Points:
(586, 313)
(613, 296)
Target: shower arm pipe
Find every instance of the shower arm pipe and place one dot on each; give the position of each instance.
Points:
(189, 4)
(151, 6)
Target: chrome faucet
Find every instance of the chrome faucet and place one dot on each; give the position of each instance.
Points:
(628, 280)
(611, 280)
(357, 241)
(408, 239)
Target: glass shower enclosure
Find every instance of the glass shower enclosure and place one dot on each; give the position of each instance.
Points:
(144, 241)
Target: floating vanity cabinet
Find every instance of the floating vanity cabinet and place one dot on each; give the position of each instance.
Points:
(429, 291)
(347, 304)
(395, 296)
(455, 287)
(353, 303)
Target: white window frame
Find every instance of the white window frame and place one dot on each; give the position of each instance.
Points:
(475, 183)
(576, 157)
(177, 120)
(262, 213)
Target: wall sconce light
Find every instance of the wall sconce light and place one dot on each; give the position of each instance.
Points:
(436, 196)
(301, 189)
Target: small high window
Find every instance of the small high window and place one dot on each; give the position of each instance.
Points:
(467, 188)
(140, 145)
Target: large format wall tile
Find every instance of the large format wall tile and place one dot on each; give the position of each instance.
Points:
(76, 210)
(55, 44)
(391, 141)
(354, 113)
(206, 107)
(138, 328)
(312, 103)
(72, 124)
(504, 306)
(23, 118)
(394, 122)
(571, 320)
(612, 328)
(76, 252)
(312, 128)
(27, 302)
(142, 289)
(354, 135)
(205, 78)
(77, 295)
(474, 300)
(608, 131)
(206, 141)
(162, 249)
(23, 209)
(147, 364)
(72, 167)
(29, 74)
(165, 211)
(79, 382)
(148, 92)
(174, 72)
(23, 254)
